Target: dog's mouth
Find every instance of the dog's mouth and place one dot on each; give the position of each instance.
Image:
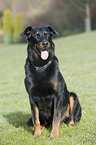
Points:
(44, 54)
(42, 51)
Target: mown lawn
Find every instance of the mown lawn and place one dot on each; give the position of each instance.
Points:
(77, 60)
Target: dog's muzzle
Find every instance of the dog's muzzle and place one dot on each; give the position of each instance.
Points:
(44, 51)
(45, 43)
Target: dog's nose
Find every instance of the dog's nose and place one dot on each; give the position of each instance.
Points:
(45, 43)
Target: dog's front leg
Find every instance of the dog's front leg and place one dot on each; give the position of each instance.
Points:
(35, 119)
(56, 118)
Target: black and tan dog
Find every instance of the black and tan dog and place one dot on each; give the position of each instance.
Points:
(51, 102)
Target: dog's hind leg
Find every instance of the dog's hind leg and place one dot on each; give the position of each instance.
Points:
(71, 102)
(75, 109)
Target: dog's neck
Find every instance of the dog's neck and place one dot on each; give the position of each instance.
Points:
(40, 69)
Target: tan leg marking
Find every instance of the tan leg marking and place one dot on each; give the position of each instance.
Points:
(71, 107)
(56, 126)
(55, 130)
(67, 112)
(71, 102)
(37, 127)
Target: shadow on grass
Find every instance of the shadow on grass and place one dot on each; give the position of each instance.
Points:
(19, 119)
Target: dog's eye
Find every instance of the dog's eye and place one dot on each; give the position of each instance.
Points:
(37, 35)
(45, 33)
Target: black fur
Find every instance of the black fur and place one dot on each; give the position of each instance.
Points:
(46, 86)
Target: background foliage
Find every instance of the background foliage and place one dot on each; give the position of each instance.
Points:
(18, 26)
(12, 26)
(63, 14)
(7, 25)
(7, 22)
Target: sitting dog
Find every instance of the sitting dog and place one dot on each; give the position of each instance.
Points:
(51, 103)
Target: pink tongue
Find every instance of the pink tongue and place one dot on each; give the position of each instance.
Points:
(44, 55)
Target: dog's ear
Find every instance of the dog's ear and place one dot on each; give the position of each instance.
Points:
(27, 32)
(52, 30)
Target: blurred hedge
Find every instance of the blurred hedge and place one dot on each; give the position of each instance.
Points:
(7, 22)
(18, 26)
(12, 27)
(0, 24)
(7, 26)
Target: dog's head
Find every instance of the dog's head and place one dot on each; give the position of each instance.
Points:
(40, 38)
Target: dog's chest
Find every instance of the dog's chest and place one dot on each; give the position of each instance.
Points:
(45, 105)
(43, 89)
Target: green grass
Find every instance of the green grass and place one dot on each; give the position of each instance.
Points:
(77, 60)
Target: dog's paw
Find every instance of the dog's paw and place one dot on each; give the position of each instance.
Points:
(37, 130)
(37, 133)
(72, 123)
(54, 134)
